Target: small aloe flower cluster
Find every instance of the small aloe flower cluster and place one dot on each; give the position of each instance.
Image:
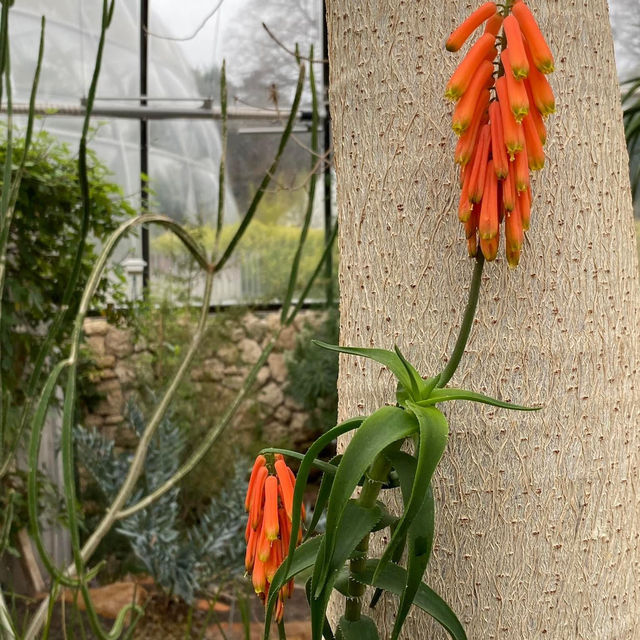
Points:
(268, 534)
(499, 120)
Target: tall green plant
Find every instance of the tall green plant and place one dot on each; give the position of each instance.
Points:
(70, 318)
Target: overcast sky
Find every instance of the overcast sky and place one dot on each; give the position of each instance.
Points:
(182, 19)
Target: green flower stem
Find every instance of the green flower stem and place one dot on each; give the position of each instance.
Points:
(467, 322)
(376, 476)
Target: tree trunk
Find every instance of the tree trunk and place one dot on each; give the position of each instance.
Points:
(537, 514)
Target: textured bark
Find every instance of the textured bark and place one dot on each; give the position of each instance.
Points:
(538, 516)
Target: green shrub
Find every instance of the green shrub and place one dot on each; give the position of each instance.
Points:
(183, 557)
(46, 225)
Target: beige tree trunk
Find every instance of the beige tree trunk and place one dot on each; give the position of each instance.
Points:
(538, 515)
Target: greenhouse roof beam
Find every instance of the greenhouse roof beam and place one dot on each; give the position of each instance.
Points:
(138, 112)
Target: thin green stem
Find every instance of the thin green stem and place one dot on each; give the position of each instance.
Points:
(293, 277)
(223, 158)
(467, 322)
(268, 175)
(376, 477)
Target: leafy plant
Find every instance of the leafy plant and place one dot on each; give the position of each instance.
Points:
(46, 221)
(182, 558)
(374, 459)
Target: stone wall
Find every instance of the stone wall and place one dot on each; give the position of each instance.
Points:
(119, 363)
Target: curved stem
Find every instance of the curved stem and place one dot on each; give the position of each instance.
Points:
(206, 444)
(467, 321)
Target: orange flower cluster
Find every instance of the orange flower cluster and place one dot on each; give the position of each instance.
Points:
(499, 120)
(269, 502)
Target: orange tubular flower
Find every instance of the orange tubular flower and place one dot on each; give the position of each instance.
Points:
(519, 61)
(494, 24)
(541, 90)
(467, 142)
(535, 114)
(271, 508)
(465, 109)
(513, 236)
(285, 486)
(460, 35)
(521, 171)
(285, 530)
(269, 502)
(540, 52)
(471, 228)
(259, 577)
(489, 247)
(263, 546)
(516, 91)
(251, 550)
(488, 222)
(499, 151)
(509, 192)
(535, 152)
(477, 179)
(257, 465)
(257, 500)
(465, 71)
(513, 134)
(466, 206)
(274, 561)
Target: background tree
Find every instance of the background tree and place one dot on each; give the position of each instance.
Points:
(538, 515)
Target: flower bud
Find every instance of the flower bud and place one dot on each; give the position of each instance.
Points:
(465, 71)
(518, 57)
(460, 35)
(540, 53)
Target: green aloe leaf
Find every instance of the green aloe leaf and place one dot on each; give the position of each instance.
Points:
(419, 535)
(399, 550)
(327, 631)
(417, 383)
(384, 427)
(323, 494)
(387, 519)
(362, 629)
(393, 579)
(446, 395)
(361, 521)
(394, 361)
(433, 437)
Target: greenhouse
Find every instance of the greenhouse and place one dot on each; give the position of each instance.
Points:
(319, 319)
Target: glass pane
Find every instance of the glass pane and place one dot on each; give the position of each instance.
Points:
(625, 21)
(184, 154)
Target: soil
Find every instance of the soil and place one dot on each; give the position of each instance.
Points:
(170, 618)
